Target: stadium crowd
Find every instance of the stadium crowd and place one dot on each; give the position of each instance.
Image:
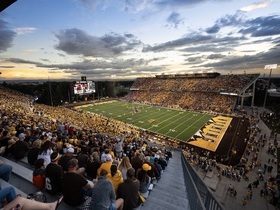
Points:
(194, 94)
(74, 153)
(262, 170)
(63, 141)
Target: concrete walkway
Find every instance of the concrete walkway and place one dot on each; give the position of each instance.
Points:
(220, 186)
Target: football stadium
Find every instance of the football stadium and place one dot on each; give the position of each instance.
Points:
(139, 105)
(192, 127)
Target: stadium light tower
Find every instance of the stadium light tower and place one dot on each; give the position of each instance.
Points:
(271, 66)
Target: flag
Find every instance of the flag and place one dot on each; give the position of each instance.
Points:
(271, 66)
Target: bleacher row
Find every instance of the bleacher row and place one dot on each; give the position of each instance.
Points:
(16, 109)
(25, 173)
(215, 94)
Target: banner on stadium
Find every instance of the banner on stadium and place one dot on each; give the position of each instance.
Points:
(271, 66)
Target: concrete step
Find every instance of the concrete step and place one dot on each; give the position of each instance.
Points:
(170, 192)
(5, 184)
(159, 202)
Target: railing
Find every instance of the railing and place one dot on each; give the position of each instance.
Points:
(199, 195)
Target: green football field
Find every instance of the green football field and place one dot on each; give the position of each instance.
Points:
(169, 122)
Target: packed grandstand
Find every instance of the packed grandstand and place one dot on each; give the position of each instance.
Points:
(210, 93)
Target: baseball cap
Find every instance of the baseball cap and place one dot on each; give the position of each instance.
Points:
(54, 156)
(70, 150)
(109, 158)
(146, 167)
(21, 135)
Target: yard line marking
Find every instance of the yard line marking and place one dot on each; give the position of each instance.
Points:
(170, 119)
(190, 125)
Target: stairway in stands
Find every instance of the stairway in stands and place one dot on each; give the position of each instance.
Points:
(170, 192)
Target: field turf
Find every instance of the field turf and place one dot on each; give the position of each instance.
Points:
(177, 124)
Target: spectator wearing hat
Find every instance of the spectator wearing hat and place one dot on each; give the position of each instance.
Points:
(53, 174)
(144, 179)
(103, 194)
(107, 165)
(20, 148)
(74, 186)
(128, 190)
(153, 172)
(66, 157)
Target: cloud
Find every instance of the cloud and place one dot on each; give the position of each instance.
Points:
(256, 6)
(215, 56)
(7, 36)
(91, 4)
(28, 51)
(257, 27)
(256, 61)
(174, 20)
(21, 61)
(235, 20)
(262, 26)
(135, 6)
(168, 3)
(187, 40)
(26, 30)
(141, 5)
(77, 42)
(100, 67)
(7, 67)
(194, 60)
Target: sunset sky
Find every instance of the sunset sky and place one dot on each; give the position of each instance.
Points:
(126, 39)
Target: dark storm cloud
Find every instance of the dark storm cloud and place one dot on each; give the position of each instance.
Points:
(174, 20)
(77, 42)
(7, 36)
